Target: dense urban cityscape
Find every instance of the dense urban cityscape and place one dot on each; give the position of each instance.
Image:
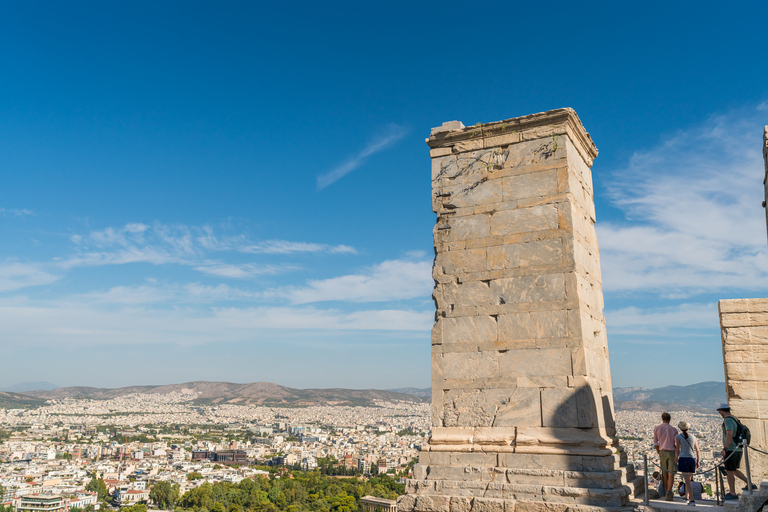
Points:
(56, 456)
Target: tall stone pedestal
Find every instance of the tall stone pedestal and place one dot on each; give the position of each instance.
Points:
(522, 408)
(744, 330)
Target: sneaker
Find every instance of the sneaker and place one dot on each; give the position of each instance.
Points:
(746, 488)
(693, 503)
(730, 496)
(669, 497)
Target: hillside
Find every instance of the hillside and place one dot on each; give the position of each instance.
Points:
(702, 396)
(19, 401)
(255, 393)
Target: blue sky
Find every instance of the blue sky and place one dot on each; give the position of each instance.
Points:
(240, 191)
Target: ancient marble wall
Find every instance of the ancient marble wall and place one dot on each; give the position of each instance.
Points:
(744, 330)
(522, 405)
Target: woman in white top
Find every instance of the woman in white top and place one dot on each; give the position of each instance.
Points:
(687, 464)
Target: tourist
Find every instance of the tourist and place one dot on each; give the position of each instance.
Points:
(664, 442)
(731, 452)
(698, 489)
(685, 446)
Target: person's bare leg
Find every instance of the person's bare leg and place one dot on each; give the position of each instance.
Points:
(741, 475)
(688, 486)
(731, 482)
(669, 482)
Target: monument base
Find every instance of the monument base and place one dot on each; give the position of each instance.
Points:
(446, 481)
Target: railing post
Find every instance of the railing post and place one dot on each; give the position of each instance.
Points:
(645, 474)
(717, 486)
(722, 484)
(745, 446)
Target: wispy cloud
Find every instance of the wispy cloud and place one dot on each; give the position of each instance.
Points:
(392, 134)
(162, 244)
(387, 281)
(681, 320)
(80, 323)
(285, 247)
(694, 221)
(240, 271)
(148, 294)
(14, 276)
(15, 212)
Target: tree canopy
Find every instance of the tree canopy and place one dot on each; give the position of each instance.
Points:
(304, 492)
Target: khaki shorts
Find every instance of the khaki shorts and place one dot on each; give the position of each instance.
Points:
(667, 460)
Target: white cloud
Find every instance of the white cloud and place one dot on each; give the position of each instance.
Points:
(392, 135)
(161, 244)
(16, 212)
(674, 321)
(77, 323)
(191, 293)
(695, 223)
(285, 247)
(386, 281)
(238, 271)
(14, 276)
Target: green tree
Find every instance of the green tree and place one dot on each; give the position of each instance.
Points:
(98, 486)
(164, 494)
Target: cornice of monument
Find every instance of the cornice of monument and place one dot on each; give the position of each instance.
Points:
(561, 121)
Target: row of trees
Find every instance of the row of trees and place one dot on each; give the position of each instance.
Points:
(298, 491)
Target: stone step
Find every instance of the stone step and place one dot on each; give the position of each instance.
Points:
(636, 486)
(677, 505)
(624, 476)
(519, 492)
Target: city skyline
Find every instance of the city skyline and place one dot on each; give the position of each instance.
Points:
(241, 193)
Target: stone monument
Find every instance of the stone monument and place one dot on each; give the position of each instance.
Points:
(744, 331)
(522, 407)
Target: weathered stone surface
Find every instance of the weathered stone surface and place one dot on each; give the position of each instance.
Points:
(521, 407)
(431, 504)
(480, 365)
(744, 329)
(455, 262)
(532, 324)
(472, 293)
(469, 329)
(541, 252)
(535, 362)
(523, 289)
(524, 220)
(406, 503)
(460, 504)
(469, 227)
(503, 257)
(535, 184)
(487, 505)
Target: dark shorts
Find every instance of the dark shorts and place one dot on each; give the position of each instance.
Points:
(732, 463)
(686, 465)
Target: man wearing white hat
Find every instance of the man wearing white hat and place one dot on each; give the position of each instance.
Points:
(731, 452)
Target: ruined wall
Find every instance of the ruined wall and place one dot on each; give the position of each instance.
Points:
(521, 391)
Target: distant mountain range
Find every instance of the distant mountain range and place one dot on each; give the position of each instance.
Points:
(256, 393)
(704, 396)
(29, 386)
